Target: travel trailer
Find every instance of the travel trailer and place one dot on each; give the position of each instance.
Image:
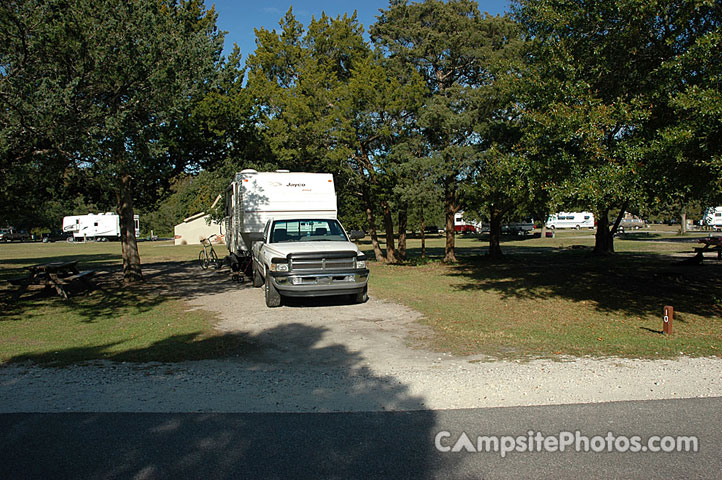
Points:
(99, 227)
(463, 226)
(282, 229)
(713, 218)
(571, 220)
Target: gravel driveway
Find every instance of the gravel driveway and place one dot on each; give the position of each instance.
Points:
(331, 356)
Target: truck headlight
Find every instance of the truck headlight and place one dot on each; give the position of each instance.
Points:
(279, 267)
(361, 262)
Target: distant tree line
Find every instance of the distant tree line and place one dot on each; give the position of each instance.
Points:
(609, 105)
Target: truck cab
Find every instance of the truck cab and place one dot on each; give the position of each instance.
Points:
(308, 257)
(10, 234)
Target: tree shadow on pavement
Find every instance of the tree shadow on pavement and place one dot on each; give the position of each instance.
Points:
(369, 443)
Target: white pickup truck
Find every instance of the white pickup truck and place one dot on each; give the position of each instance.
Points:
(308, 258)
(282, 229)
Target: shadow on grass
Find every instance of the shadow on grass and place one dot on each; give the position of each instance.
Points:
(656, 237)
(291, 343)
(93, 260)
(176, 348)
(632, 283)
(163, 281)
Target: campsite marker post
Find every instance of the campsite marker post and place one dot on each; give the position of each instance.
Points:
(667, 320)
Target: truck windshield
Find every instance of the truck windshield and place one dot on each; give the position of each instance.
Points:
(307, 231)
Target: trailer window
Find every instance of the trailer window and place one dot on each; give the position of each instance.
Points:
(307, 231)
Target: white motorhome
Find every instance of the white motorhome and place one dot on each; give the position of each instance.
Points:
(282, 228)
(571, 220)
(98, 227)
(713, 218)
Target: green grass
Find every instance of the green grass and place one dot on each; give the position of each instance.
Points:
(552, 298)
(143, 323)
(547, 298)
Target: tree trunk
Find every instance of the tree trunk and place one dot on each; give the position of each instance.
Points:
(604, 239)
(451, 208)
(131, 257)
(423, 233)
(403, 220)
(371, 219)
(683, 228)
(495, 232)
(389, 227)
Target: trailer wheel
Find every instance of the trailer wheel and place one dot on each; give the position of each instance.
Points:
(70, 239)
(273, 298)
(257, 278)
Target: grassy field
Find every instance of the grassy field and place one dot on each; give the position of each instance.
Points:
(552, 298)
(547, 298)
(144, 323)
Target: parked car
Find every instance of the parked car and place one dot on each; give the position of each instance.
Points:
(522, 227)
(633, 223)
(57, 236)
(9, 234)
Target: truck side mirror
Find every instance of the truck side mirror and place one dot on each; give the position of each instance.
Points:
(357, 234)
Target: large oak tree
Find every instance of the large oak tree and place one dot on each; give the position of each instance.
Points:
(96, 86)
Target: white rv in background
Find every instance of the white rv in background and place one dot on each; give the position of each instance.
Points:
(713, 218)
(461, 225)
(571, 220)
(99, 227)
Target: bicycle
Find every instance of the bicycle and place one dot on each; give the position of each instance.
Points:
(208, 256)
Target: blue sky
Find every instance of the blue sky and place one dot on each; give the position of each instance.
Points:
(239, 18)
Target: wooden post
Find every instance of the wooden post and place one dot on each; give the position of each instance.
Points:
(667, 320)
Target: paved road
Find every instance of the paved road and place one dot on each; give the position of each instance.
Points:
(353, 445)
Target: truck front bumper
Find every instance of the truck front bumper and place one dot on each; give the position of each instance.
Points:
(320, 283)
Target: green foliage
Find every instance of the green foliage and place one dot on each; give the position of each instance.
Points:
(464, 58)
(686, 142)
(98, 85)
(609, 110)
(326, 102)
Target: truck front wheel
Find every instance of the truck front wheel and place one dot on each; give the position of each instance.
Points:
(257, 278)
(273, 298)
(362, 296)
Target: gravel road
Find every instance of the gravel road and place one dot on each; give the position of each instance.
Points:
(317, 356)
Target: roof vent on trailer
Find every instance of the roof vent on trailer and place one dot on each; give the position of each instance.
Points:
(283, 171)
(249, 171)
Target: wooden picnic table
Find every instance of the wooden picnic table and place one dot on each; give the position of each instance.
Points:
(54, 275)
(711, 244)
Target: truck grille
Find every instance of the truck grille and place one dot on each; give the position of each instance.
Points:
(330, 264)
